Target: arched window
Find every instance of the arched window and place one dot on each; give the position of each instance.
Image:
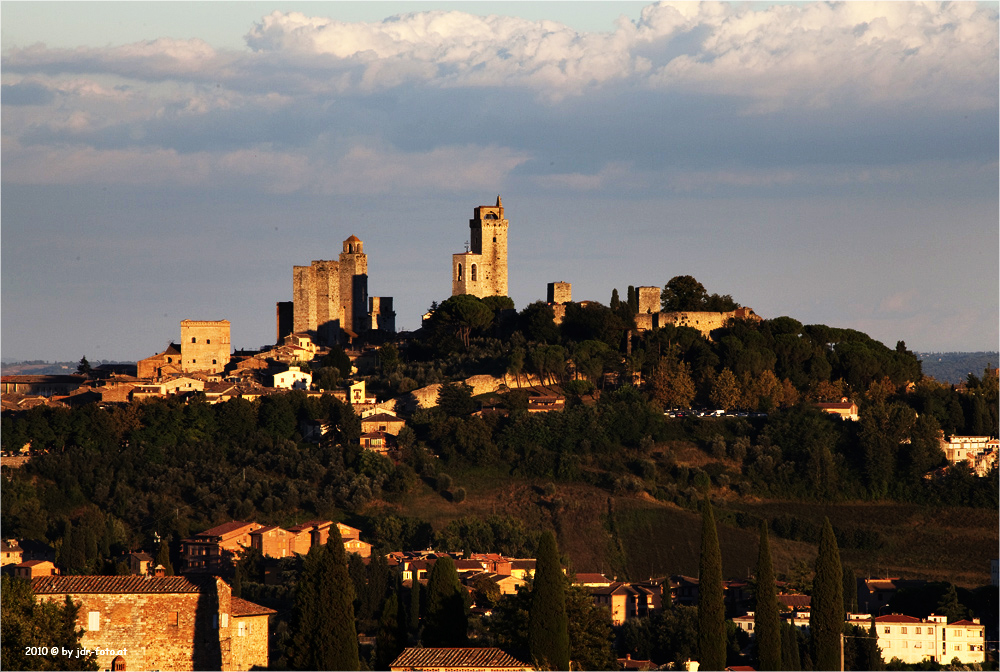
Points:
(490, 215)
(194, 340)
(118, 663)
(460, 271)
(473, 272)
(208, 341)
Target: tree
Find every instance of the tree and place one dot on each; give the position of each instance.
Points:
(163, 558)
(827, 619)
(671, 384)
(389, 641)
(790, 659)
(548, 634)
(446, 623)
(767, 618)
(84, 366)
(455, 399)
(414, 612)
(28, 622)
(726, 391)
(711, 608)
(324, 634)
(462, 314)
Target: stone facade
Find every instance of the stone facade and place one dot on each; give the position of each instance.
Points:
(205, 345)
(284, 316)
(482, 271)
(559, 292)
(163, 623)
(703, 321)
(649, 299)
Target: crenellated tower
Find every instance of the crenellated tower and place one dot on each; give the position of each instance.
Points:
(482, 270)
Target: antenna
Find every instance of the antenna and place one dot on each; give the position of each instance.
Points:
(466, 247)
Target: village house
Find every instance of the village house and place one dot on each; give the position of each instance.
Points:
(620, 599)
(381, 421)
(10, 552)
(980, 452)
(873, 594)
(140, 563)
(456, 660)
(163, 623)
(43, 386)
(378, 442)
(293, 378)
(212, 551)
(29, 569)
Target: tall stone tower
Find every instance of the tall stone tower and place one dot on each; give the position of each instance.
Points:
(482, 270)
(205, 345)
(354, 285)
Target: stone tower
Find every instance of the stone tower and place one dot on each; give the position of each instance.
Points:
(482, 271)
(353, 286)
(205, 345)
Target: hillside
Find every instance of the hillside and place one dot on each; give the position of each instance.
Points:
(955, 367)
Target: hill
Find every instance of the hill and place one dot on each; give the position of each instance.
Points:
(955, 367)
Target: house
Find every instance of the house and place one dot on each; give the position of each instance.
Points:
(628, 663)
(140, 564)
(382, 421)
(620, 599)
(10, 552)
(683, 590)
(846, 409)
(591, 580)
(457, 659)
(377, 442)
(165, 623)
(795, 602)
(29, 569)
(293, 378)
(980, 452)
(177, 385)
(213, 550)
(873, 594)
(913, 640)
(43, 386)
(274, 542)
(544, 404)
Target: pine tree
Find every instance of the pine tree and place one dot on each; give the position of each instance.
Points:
(446, 623)
(711, 608)
(827, 617)
(767, 617)
(325, 637)
(548, 633)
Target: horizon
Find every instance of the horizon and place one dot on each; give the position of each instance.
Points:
(166, 162)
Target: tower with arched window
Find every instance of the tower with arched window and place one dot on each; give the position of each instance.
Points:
(482, 269)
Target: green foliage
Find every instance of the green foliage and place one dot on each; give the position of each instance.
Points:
(548, 634)
(711, 608)
(455, 399)
(447, 620)
(337, 359)
(493, 534)
(84, 366)
(767, 614)
(30, 623)
(826, 621)
(324, 633)
(459, 317)
(684, 293)
(163, 558)
(389, 641)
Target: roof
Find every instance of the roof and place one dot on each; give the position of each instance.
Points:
(584, 577)
(616, 588)
(33, 563)
(224, 529)
(353, 239)
(795, 600)
(456, 658)
(897, 618)
(309, 524)
(9, 545)
(240, 607)
(523, 564)
(966, 622)
(141, 555)
(56, 585)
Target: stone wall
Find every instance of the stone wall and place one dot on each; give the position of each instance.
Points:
(249, 642)
(426, 397)
(649, 299)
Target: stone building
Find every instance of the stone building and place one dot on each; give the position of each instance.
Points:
(482, 270)
(649, 316)
(205, 347)
(212, 551)
(163, 623)
(329, 296)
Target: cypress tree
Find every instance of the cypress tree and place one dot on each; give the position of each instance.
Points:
(548, 627)
(767, 617)
(163, 558)
(712, 640)
(446, 623)
(872, 656)
(388, 644)
(615, 301)
(790, 659)
(826, 622)
(325, 637)
(414, 606)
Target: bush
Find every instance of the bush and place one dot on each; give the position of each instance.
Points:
(458, 495)
(443, 482)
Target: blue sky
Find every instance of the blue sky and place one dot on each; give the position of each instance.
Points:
(165, 161)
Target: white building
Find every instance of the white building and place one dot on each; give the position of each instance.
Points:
(913, 640)
(293, 379)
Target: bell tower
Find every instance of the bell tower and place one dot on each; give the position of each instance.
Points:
(482, 271)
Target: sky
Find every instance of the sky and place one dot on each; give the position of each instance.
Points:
(837, 163)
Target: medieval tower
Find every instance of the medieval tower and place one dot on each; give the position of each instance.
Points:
(353, 285)
(482, 270)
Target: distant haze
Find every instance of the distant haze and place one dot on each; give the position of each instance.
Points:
(837, 163)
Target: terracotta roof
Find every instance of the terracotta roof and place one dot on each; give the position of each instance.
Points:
(897, 618)
(793, 601)
(583, 577)
(522, 564)
(49, 585)
(141, 555)
(9, 546)
(33, 563)
(308, 525)
(456, 658)
(221, 530)
(966, 622)
(240, 607)
(353, 239)
(616, 588)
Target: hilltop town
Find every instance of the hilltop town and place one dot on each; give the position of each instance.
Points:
(433, 464)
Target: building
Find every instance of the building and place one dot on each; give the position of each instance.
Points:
(212, 551)
(42, 386)
(163, 623)
(649, 315)
(913, 640)
(140, 564)
(457, 659)
(382, 421)
(482, 269)
(620, 598)
(980, 452)
(205, 345)
(381, 315)
(29, 569)
(292, 378)
(845, 408)
(10, 552)
(873, 594)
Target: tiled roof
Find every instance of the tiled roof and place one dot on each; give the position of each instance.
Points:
(522, 564)
(48, 585)
(240, 607)
(457, 658)
(353, 239)
(143, 556)
(966, 622)
(309, 525)
(10, 546)
(897, 618)
(583, 577)
(792, 601)
(221, 530)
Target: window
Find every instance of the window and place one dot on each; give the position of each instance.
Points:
(958, 647)
(918, 645)
(903, 629)
(242, 629)
(208, 341)
(225, 620)
(172, 618)
(460, 271)
(94, 621)
(118, 664)
(473, 272)
(213, 361)
(958, 633)
(918, 630)
(887, 629)
(194, 340)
